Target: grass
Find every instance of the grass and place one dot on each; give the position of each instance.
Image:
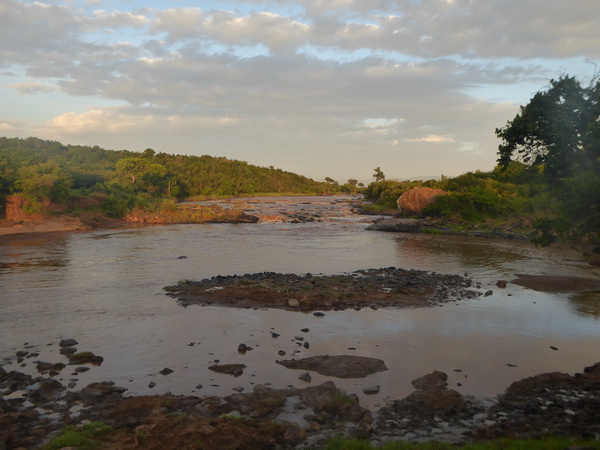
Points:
(547, 443)
(88, 437)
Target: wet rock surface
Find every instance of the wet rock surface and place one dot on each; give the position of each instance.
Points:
(554, 283)
(385, 287)
(339, 366)
(32, 409)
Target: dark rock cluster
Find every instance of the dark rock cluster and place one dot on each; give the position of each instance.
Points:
(385, 287)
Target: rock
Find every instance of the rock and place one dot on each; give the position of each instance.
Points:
(152, 384)
(230, 369)
(85, 358)
(43, 366)
(166, 371)
(414, 201)
(397, 225)
(68, 342)
(434, 380)
(305, 377)
(293, 303)
(49, 389)
(501, 284)
(238, 388)
(199, 386)
(341, 366)
(68, 350)
(371, 390)
(318, 314)
(243, 348)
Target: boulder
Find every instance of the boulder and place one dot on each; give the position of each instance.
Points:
(414, 201)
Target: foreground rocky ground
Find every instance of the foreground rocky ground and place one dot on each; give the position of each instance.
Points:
(32, 409)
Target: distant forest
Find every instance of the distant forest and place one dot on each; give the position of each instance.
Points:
(42, 169)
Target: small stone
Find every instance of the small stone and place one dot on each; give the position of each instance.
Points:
(238, 389)
(371, 390)
(151, 384)
(68, 350)
(82, 369)
(306, 345)
(281, 353)
(318, 314)
(501, 284)
(166, 371)
(553, 347)
(243, 348)
(293, 303)
(305, 330)
(305, 377)
(275, 335)
(68, 342)
(199, 386)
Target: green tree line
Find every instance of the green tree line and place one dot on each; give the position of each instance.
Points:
(41, 169)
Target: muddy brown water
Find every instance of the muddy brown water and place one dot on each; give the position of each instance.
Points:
(105, 289)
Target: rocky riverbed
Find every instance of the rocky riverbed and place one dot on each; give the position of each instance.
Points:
(374, 288)
(34, 408)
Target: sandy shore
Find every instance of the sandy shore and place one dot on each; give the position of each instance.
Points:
(48, 225)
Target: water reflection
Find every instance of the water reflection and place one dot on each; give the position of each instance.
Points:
(105, 289)
(586, 303)
(30, 254)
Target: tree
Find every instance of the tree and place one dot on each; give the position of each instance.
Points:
(378, 175)
(329, 180)
(133, 167)
(44, 181)
(559, 130)
(352, 182)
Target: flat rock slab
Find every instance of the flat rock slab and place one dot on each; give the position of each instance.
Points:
(339, 366)
(551, 283)
(397, 225)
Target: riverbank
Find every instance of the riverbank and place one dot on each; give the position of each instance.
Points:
(34, 409)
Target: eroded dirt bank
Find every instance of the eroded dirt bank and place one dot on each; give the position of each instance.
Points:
(32, 409)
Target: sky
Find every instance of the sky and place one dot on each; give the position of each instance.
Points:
(323, 88)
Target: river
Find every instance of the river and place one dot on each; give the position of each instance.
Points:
(105, 289)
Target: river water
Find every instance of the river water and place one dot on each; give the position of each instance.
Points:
(105, 289)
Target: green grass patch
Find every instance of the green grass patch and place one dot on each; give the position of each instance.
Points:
(87, 437)
(547, 443)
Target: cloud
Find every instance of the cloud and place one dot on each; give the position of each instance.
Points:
(287, 82)
(432, 138)
(5, 126)
(32, 88)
